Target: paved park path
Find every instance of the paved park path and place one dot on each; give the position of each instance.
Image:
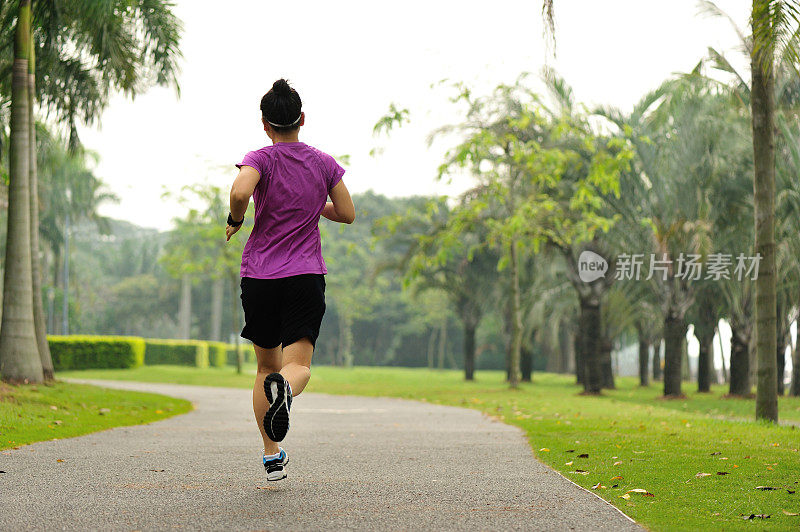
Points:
(356, 463)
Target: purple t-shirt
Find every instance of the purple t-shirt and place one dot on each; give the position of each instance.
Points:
(295, 181)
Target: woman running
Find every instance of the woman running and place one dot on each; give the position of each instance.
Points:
(283, 273)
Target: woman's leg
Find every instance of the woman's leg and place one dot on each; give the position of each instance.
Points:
(297, 364)
(269, 361)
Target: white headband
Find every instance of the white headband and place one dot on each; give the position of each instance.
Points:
(286, 125)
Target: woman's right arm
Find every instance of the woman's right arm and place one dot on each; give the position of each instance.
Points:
(340, 208)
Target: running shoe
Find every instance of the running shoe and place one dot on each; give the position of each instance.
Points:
(275, 466)
(279, 396)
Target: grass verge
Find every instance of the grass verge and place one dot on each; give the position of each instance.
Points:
(62, 410)
(700, 462)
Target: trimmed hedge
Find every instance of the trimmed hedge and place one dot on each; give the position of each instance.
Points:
(176, 352)
(247, 350)
(96, 352)
(217, 354)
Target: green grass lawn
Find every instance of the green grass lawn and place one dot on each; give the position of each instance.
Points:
(63, 410)
(700, 461)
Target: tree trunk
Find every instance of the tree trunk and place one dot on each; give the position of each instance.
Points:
(431, 343)
(781, 363)
(236, 322)
(345, 339)
(19, 352)
(722, 357)
(185, 311)
(674, 336)
(442, 343)
(36, 263)
(762, 100)
(657, 360)
(469, 350)
(644, 355)
(740, 363)
(608, 368)
(590, 348)
(794, 390)
(578, 346)
(516, 315)
(526, 364)
(217, 288)
(566, 349)
(53, 323)
(705, 362)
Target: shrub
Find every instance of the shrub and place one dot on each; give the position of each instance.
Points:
(176, 352)
(247, 350)
(217, 354)
(96, 352)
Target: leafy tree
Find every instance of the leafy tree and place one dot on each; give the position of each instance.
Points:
(85, 50)
(539, 180)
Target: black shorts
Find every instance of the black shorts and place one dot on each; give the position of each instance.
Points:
(282, 311)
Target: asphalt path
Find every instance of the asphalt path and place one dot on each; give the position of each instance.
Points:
(355, 463)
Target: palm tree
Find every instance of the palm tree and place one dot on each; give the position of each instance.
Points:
(19, 353)
(36, 264)
(86, 50)
(774, 36)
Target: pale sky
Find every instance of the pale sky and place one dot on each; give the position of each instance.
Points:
(350, 60)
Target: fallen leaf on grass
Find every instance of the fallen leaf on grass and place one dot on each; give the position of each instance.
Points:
(104, 411)
(615, 486)
(765, 488)
(581, 472)
(722, 472)
(625, 496)
(616, 478)
(53, 407)
(598, 486)
(642, 491)
(790, 492)
(568, 463)
(544, 449)
(617, 463)
(789, 513)
(701, 475)
(755, 516)
(570, 451)
(715, 453)
(583, 455)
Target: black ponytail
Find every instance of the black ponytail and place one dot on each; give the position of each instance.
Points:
(281, 107)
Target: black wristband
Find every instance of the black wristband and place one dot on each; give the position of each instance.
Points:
(232, 223)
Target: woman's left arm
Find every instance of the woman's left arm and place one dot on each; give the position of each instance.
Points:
(243, 187)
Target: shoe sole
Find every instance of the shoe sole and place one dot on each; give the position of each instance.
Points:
(276, 420)
(275, 479)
